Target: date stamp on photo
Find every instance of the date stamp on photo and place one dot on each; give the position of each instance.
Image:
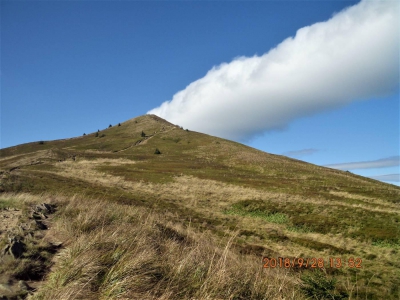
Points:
(311, 262)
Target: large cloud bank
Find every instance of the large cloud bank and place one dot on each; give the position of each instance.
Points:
(353, 56)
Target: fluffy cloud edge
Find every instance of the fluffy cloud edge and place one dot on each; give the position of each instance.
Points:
(350, 57)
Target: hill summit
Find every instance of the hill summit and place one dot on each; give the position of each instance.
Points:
(147, 209)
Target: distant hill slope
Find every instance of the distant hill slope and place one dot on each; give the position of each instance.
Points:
(276, 205)
(183, 150)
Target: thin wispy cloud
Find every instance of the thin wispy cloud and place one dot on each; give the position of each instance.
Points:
(388, 177)
(372, 164)
(301, 153)
(352, 56)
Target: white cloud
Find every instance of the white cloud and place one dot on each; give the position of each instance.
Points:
(388, 177)
(353, 56)
(372, 164)
(300, 153)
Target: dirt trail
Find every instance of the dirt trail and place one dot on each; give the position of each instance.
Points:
(24, 237)
(144, 141)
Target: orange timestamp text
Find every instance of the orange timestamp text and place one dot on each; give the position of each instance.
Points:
(312, 262)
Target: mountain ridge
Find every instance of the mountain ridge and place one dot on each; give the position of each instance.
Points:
(260, 204)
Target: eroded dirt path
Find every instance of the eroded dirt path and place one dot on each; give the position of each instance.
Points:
(9, 219)
(25, 249)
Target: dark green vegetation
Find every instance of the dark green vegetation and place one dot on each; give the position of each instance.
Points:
(316, 285)
(273, 205)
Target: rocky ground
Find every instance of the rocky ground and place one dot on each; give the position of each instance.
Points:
(25, 255)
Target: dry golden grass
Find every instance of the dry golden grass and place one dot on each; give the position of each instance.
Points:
(18, 199)
(194, 190)
(115, 251)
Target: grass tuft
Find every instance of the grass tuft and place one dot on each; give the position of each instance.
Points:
(134, 254)
(274, 217)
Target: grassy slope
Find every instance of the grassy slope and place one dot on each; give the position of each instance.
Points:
(275, 205)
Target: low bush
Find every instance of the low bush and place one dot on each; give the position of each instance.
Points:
(317, 285)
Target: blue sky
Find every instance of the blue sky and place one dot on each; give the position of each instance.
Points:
(286, 77)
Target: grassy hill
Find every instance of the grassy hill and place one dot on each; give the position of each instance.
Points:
(195, 221)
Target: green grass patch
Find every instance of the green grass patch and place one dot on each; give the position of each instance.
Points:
(299, 228)
(14, 184)
(378, 229)
(277, 218)
(9, 203)
(391, 244)
(317, 285)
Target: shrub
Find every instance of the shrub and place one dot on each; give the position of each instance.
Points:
(103, 135)
(97, 134)
(157, 151)
(119, 124)
(142, 134)
(41, 142)
(84, 133)
(318, 286)
(109, 126)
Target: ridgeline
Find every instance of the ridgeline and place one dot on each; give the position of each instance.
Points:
(146, 209)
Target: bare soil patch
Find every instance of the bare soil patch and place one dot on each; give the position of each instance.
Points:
(9, 219)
